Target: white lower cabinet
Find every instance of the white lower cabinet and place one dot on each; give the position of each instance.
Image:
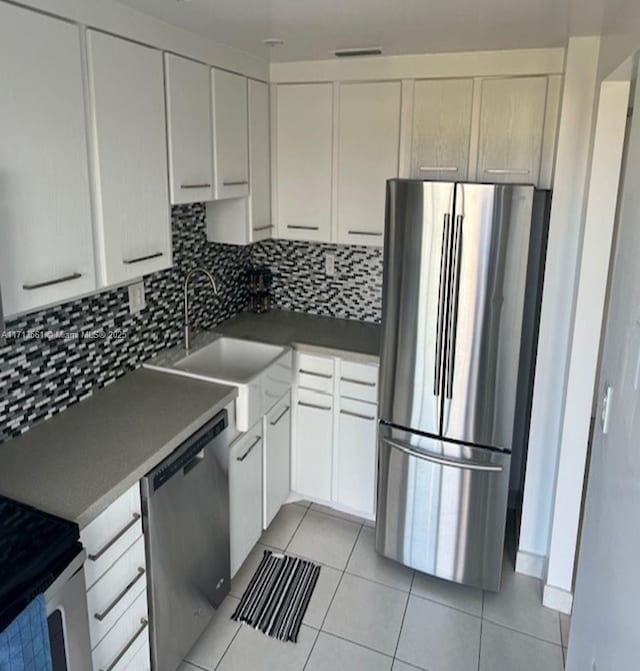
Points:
(356, 456)
(314, 431)
(245, 495)
(126, 646)
(277, 459)
(115, 573)
(334, 449)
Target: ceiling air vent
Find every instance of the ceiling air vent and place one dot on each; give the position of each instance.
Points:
(353, 53)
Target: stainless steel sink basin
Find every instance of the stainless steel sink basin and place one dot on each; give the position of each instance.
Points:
(231, 360)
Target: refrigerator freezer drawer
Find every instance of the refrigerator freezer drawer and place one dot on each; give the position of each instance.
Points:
(442, 507)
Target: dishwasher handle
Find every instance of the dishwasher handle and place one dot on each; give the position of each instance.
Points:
(197, 460)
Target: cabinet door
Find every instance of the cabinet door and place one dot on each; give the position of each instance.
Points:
(245, 495)
(277, 458)
(259, 162)
(441, 129)
(46, 245)
(356, 456)
(313, 445)
(188, 90)
(130, 172)
(368, 149)
(304, 141)
(230, 135)
(511, 129)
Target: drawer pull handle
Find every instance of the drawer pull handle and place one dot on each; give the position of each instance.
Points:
(116, 538)
(356, 414)
(315, 407)
(101, 616)
(310, 372)
(361, 382)
(280, 416)
(50, 283)
(373, 233)
(236, 183)
(139, 259)
(195, 186)
(144, 623)
(262, 228)
(248, 452)
(438, 168)
(303, 228)
(507, 171)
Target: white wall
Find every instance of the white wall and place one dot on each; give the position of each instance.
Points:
(567, 217)
(604, 183)
(604, 626)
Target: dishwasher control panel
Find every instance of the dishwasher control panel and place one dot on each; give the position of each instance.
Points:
(189, 450)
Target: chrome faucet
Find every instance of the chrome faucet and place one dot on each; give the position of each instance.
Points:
(187, 324)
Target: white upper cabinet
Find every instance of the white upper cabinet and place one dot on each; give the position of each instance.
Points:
(188, 89)
(512, 120)
(230, 135)
(368, 149)
(441, 129)
(304, 141)
(241, 221)
(46, 246)
(130, 158)
(259, 162)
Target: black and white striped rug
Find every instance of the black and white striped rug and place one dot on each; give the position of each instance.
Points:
(278, 595)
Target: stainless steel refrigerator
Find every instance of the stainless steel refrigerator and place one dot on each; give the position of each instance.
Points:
(461, 298)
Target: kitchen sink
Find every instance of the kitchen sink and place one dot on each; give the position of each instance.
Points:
(261, 372)
(231, 360)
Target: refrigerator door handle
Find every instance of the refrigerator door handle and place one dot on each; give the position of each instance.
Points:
(442, 294)
(443, 461)
(452, 317)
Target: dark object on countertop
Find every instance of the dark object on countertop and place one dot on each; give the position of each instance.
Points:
(260, 279)
(35, 548)
(278, 596)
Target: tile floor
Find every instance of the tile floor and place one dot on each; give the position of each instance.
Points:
(371, 614)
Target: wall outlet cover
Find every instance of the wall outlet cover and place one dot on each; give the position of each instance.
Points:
(137, 301)
(330, 265)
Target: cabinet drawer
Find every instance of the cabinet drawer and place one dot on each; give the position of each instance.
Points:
(315, 372)
(110, 534)
(359, 381)
(141, 660)
(121, 645)
(116, 590)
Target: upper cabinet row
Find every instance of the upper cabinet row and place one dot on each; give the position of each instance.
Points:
(91, 159)
(337, 144)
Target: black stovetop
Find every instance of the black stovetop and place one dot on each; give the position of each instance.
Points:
(35, 548)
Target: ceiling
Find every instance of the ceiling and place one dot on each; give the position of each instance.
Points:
(314, 28)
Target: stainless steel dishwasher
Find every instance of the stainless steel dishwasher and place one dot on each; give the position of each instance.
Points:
(186, 525)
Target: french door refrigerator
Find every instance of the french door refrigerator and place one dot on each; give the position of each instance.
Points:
(461, 298)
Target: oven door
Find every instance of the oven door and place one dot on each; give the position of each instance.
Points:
(68, 619)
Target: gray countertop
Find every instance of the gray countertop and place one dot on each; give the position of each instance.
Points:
(79, 462)
(281, 327)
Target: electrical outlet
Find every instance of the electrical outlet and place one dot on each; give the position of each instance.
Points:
(605, 415)
(137, 301)
(330, 265)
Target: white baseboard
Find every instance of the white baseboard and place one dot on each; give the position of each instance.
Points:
(557, 599)
(531, 564)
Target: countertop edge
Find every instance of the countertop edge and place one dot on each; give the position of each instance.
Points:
(99, 506)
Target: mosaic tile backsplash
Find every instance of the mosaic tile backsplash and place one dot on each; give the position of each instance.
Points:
(40, 377)
(300, 282)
